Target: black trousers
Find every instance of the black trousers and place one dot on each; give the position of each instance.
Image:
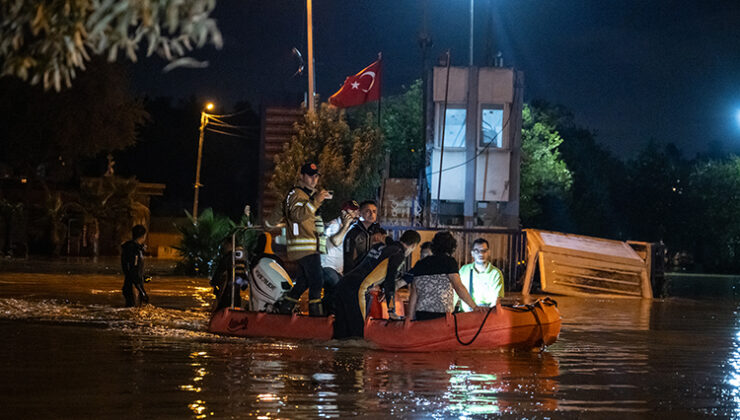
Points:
(331, 280)
(128, 291)
(348, 321)
(310, 277)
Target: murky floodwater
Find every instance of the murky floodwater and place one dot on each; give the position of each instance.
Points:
(69, 350)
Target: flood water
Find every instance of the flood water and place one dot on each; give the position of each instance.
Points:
(69, 350)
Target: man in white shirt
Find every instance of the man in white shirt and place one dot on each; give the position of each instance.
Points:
(484, 281)
(332, 262)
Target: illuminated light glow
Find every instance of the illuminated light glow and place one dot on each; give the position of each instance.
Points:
(267, 397)
(209, 106)
(190, 388)
(197, 407)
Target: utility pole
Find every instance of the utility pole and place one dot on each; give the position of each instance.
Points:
(203, 123)
(311, 81)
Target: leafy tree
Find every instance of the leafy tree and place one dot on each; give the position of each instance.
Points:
(110, 200)
(655, 202)
(713, 215)
(599, 178)
(49, 41)
(403, 129)
(201, 238)
(58, 130)
(544, 175)
(349, 160)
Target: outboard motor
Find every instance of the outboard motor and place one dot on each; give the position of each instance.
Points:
(268, 283)
(269, 280)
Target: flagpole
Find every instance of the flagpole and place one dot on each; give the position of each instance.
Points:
(386, 161)
(309, 25)
(380, 86)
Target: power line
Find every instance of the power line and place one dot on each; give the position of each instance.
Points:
(226, 133)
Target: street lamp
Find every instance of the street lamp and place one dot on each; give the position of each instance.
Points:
(203, 121)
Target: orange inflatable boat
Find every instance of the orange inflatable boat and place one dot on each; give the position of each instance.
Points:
(241, 323)
(524, 326)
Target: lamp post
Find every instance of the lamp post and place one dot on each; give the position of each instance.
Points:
(203, 122)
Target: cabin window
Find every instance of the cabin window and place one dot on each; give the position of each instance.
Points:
(492, 127)
(454, 128)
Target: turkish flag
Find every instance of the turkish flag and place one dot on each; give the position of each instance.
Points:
(360, 88)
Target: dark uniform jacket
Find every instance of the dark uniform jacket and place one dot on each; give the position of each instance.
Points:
(356, 245)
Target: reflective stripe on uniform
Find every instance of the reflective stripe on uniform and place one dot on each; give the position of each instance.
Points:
(302, 248)
(301, 241)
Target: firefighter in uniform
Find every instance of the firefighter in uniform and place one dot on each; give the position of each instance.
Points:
(305, 240)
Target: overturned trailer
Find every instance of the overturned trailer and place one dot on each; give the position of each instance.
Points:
(576, 265)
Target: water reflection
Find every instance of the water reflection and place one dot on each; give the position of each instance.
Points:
(465, 383)
(733, 376)
(198, 407)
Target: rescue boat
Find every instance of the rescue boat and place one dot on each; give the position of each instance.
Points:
(242, 323)
(519, 326)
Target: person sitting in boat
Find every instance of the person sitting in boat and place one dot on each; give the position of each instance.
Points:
(357, 242)
(425, 250)
(332, 263)
(378, 235)
(221, 280)
(436, 280)
(484, 281)
(382, 264)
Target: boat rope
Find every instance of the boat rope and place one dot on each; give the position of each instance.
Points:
(457, 334)
(519, 308)
(531, 307)
(537, 319)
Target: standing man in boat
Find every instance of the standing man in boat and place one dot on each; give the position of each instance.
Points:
(483, 280)
(305, 239)
(332, 263)
(132, 264)
(383, 264)
(357, 243)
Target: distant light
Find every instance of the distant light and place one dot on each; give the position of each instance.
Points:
(209, 106)
(24, 180)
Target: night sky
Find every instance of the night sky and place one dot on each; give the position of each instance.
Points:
(630, 70)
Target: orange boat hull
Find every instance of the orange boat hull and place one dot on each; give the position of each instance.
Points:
(505, 326)
(241, 323)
